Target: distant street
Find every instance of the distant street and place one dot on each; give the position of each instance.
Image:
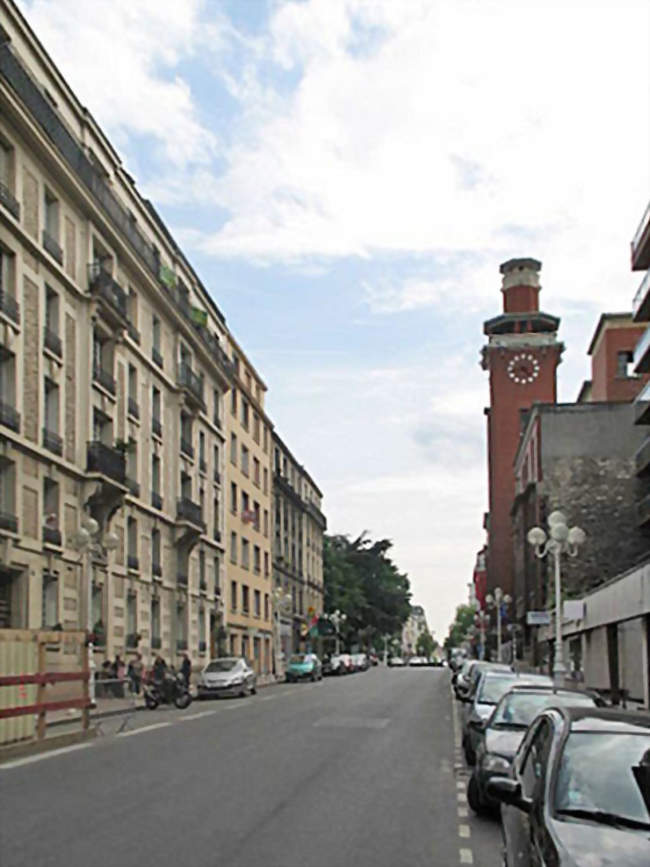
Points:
(353, 771)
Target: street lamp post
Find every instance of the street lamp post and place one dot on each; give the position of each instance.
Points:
(498, 599)
(560, 540)
(481, 620)
(338, 618)
(88, 541)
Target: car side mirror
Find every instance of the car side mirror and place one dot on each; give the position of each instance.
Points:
(508, 791)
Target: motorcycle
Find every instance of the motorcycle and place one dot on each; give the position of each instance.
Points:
(170, 690)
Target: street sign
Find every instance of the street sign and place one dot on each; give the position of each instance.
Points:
(538, 618)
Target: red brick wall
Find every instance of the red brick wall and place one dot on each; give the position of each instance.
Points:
(606, 385)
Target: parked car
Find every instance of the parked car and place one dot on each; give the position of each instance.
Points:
(374, 659)
(304, 666)
(491, 685)
(506, 728)
(396, 662)
(337, 664)
(418, 660)
(230, 675)
(579, 790)
(459, 679)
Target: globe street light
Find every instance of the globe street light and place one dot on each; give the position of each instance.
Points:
(498, 599)
(87, 541)
(560, 540)
(338, 618)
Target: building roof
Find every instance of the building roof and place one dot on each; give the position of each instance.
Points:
(603, 322)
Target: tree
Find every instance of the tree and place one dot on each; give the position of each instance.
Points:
(458, 629)
(425, 645)
(362, 581)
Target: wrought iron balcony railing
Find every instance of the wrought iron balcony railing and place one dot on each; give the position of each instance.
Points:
(156, 500)
(181, 644)
(133, 332)
(181, 578)
(133, 486)
(106, 460)
(52, 441)
(9, 306)
(9, 417)
(52, 246)
(156, 642)
(9, 201)
(190, 381)
(156, 427)
(8, 522)
(52, 341)
(134, 408)
(104, 378)
(156, 569)
(187, 448)
(107, 289)
(157, 357)
(132, 562)
(187, 510)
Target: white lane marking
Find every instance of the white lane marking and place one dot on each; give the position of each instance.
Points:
(50, 754)
(466, 856)
(460, 784)
(463, 831)
(197, 715)
(269, 698)
(461, 797)
(160, 725)
(463, 813)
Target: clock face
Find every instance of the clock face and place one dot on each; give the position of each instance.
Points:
(523, 368)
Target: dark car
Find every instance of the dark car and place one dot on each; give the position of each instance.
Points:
(478, 706)
(579, 791)
(506, 728)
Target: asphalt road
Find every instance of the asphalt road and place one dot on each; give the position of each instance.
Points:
(360, 770)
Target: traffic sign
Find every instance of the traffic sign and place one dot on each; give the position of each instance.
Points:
(538, 618)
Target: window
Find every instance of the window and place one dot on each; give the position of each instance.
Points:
(257, 559)
(6, 277)
(233, 547)
(51, 416)
(156, 563)
(155, 474)
(216, 462)
(244, 413)
(8, 390)
(216, 568)
(202, 582)
(156, 419)
(245, 551)
(155, 623)
(266, 522)
(7, 164)
(51, 312)
(233, 596)
(156, 352)
(266, 564)
(266, 439)
(132, 311)
(201, 628)
(50, 615)
(216, 407)
(625, 364)
(233, 401)
(245, 504)
(131, 619)
(233, 498)
(256, 472)
(132, 541)
(245, 599)
(51, 215)
(265, 486)
(266, 606)
(244, 460)
(202, 449)
(233, 449)
(8, 494)
(256, 427)
(235, 363)
(257, 603)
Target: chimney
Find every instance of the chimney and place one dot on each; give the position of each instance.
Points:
(520, 285)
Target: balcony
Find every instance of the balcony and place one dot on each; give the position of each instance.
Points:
(132, 563)
(9, 202)
(642, 353)
(109, 293)
(642, 459)
(133, 486)
(181, 579)
(9, 306)
(133, 332)
(52, 442)
(203, 585)
(187, 448)
(107, 461)
(8, 522)
(643, 511)
(156, 500)
(157, 357)
(132, 640)
(190, 512)
(156, 642)
(192, 386)
(181, 644)
(9, 417)
(134, 409)
(642, 406)
(202, 647)
(52, 342)
(641, 303)
(52, 246)
(52, 536)
(104, 378)
(156, 569)
(156, 427)
(641, 243)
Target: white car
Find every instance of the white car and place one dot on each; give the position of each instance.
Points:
(418, 660)
(396, 661)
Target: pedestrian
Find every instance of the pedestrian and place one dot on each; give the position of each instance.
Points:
(135, 673)
(186, 669)
(159, 669)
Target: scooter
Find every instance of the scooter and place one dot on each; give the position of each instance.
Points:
(171, 690)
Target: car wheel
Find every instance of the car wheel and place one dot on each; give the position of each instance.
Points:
(253, 690)
(474, 797)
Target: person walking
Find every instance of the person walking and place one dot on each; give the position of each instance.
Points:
(135, 673)
(186, 669)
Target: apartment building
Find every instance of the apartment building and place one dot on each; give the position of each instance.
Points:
(114, 367)
(248, 523)
(298, 530)
(641, 313)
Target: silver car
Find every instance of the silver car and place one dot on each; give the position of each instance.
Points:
(230, 675)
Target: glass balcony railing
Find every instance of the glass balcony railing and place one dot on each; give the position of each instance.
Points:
(642, 353)
(644, 227)
(641, 303)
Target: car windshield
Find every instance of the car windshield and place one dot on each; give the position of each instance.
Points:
(492, 688)
(222, 665)
(519, 709)
(597, 774)
(299, 657)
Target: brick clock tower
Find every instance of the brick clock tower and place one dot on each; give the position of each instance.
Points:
(522, 354)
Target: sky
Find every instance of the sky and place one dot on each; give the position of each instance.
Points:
(347, 176)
